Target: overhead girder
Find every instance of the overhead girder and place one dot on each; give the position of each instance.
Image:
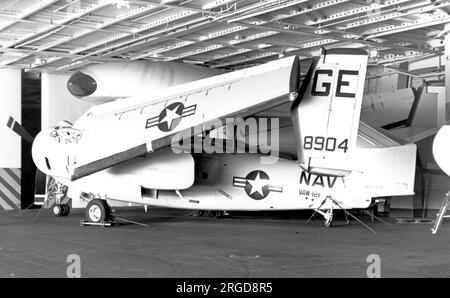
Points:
(269, 16)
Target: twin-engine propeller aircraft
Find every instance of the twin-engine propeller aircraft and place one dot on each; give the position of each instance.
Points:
(121, 150)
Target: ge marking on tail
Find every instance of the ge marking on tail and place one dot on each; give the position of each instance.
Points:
(325, 78)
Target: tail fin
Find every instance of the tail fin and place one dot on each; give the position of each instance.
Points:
(326, 112)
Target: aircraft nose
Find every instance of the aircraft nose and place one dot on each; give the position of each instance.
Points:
(81, 84)
(50, 156)
(40, 152)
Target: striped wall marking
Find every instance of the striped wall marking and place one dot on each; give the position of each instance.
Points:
(8, 189)
(13, 173)
(10, 183)
(7, 195)
(16, 171)
(6, 203)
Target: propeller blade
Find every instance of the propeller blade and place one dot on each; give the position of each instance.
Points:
(19, 129)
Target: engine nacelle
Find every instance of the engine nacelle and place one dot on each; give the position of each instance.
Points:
(106, 82)
(162, 170)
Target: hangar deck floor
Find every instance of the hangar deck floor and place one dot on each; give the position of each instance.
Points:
(178, 246)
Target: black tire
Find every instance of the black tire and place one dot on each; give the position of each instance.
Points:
(199, 213)
(97, 210)
(66, 209)
(328, 223)
(57, 210)
(217, 214)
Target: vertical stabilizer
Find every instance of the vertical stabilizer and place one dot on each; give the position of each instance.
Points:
(327, 111)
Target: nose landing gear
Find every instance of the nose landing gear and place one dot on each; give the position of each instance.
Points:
(56, 192)
(61, 209)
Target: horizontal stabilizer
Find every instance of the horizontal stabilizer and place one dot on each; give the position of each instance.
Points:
(369, 137)
(388, 171)
(413, 134)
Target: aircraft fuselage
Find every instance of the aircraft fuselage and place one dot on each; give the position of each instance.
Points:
(242, 182)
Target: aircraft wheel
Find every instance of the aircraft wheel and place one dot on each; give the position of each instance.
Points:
(65, 209)
(57, 210)
(198, 213)
(97, 210)
(217, 214)
(328, 219)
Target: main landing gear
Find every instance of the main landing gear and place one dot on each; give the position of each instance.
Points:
(216, 214)
(97, 211)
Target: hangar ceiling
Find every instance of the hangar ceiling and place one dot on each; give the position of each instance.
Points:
(62, 35)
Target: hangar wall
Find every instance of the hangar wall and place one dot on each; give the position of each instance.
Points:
(10, 105)
(10, 148)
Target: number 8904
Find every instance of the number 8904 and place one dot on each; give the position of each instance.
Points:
(321, 143)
